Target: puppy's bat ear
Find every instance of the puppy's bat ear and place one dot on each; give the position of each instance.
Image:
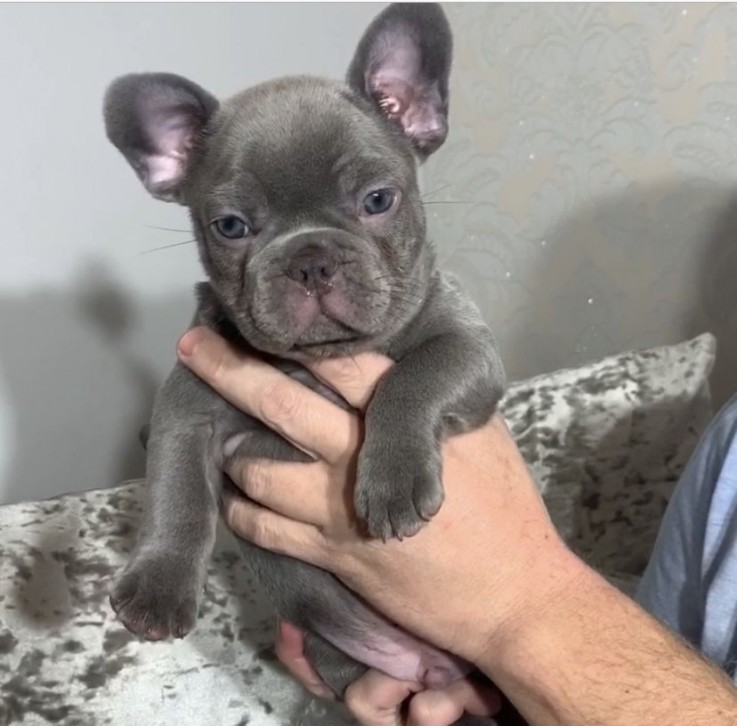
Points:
(155, 120)
(402, 65)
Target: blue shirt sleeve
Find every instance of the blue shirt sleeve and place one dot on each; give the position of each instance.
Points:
(690, 582)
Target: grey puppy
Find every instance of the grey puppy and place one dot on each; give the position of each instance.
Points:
(304, 199)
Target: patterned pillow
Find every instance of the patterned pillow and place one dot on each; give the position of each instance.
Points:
(607, 442)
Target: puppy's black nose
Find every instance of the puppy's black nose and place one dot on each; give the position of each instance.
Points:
(313, 267)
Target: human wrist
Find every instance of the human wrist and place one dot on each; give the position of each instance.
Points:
(527, 654)
(541, 590)
(579, 657)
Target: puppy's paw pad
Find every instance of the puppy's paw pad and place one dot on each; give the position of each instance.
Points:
(156, 600)
(397, 494)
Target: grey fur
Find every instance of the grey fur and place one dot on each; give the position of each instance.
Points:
(294, 158)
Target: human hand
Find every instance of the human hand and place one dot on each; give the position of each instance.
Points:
(461, 579)
(376, 699)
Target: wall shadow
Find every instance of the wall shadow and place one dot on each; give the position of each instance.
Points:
(78, 371)
(654, 265)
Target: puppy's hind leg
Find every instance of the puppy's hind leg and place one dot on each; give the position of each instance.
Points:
(336, 668)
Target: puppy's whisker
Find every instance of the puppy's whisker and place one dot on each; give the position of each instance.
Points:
(381, 278)
(407, 300)
(364, 286)
(169, 229)
(405, 295)
(402, 304)
(435, 191)
(456, 201)
(353, 360)
(166, 247)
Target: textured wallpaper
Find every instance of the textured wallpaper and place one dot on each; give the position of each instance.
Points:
(587, 193)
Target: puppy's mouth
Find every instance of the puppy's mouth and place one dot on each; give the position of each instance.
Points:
(328, 338)
(327, 343)
(332, 343)
(324, 324)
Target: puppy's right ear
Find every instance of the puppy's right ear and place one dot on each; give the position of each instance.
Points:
(154, 120)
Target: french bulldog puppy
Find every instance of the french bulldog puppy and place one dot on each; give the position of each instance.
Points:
(304, 200)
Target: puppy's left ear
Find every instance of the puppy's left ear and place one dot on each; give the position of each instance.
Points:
(402, 65)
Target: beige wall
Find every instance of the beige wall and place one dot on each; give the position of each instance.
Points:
(593, 152)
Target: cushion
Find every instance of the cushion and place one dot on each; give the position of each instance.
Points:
(607, 443)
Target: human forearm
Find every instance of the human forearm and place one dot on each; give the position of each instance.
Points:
(592, 656)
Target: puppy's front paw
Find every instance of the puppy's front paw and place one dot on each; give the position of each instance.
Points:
(398, 488)
(156, 598)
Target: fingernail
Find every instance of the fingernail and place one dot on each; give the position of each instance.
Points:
(189, 341)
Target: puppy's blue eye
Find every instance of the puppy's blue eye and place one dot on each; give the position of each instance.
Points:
(379, 201)
(232, 227)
